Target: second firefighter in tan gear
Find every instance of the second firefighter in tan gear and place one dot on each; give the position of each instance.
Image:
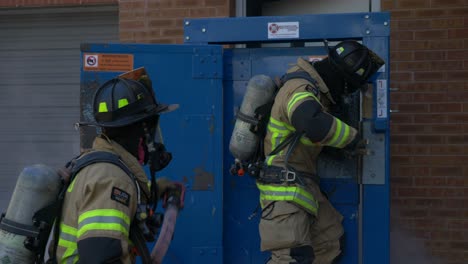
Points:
(298, 223)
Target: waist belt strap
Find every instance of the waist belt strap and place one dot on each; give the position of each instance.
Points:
(278, 175)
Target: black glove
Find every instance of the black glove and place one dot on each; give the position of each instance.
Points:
(160, 158)
(357, 147)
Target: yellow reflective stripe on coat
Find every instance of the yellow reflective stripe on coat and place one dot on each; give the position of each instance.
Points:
(340, 135)
(296, 98)
(279, 131)
(67, 239)
(103, 219)
(294, 194)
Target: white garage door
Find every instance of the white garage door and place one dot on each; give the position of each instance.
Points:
(40, 84)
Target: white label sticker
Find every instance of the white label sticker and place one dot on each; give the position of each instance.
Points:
(382, 107)
(279, 30)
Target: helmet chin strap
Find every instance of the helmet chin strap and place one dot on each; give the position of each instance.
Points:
(149, 140)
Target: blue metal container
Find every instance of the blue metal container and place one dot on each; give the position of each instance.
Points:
(208, 81)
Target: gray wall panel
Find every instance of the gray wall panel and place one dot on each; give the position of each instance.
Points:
(40, 84)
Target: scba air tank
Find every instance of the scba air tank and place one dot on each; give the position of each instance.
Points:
(260, 90)
(37, 186)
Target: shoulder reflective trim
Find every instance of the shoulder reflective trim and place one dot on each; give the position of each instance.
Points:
(70, 187)
(102, 227)
(102, 107)
(296, 98)
(288, 193)
(103, 219)
(104, 212)
(122, 102)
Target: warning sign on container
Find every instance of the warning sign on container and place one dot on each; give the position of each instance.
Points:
(108, 62)
(278, 30)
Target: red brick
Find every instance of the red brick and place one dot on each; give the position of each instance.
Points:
(99, 1)
(458, 33)
(446, 150)
(160, 4)
(397, 97)
(459, 245)
(401, 118)
(216, 2)
(445, 44)
(174, 13)
(458, 11)
(429, 97)
(440, 160)
(402, 150)
(457, 75)
(400, 139)
(430, 34)
(412, 44)
(447, 3)
(412, 192)
(131, 15)
(456, 204)
(414, 66)
(132, 25)
(402, 181)
(458, 118)
(396, 14)
(160, 23)
(430, 118)
(413, 213)
(145, 35)
(387, 5)
(172, 32)
(203, 12)
(402, 35)
(413, 3)
(127, 6)
(448, 129)
(457, 139)
(401, 76)
(445, 107)
(411, 129)
(429, 181)
(401, 55)
(446, 171)
(429, 139)
(429, 76)
(430, 13)
(447, 65)
(429, 55)
(447, 23)
(457, 54)
(426, 86)
(9, 3)
(414, 24)
(402, 160)
(413, 108)
(187, 3)
(457, 224)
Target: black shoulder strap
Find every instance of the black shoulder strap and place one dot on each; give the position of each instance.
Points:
(99, 156)
(301, 75)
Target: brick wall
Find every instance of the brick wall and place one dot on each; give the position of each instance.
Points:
(161, 21)
(429, 172)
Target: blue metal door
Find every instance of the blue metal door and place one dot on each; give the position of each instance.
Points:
(191, 76)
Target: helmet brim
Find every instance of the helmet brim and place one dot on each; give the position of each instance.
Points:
(161, 109)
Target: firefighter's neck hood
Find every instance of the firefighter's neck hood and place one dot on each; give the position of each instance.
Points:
(105, 144)
(307, 67)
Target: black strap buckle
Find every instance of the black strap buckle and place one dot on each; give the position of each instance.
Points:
(288, 176)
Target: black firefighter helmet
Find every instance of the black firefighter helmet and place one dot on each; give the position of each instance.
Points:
(347, 68)
(120, 102)
(354, 62)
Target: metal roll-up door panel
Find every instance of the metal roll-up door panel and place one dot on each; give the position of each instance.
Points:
(40, 84)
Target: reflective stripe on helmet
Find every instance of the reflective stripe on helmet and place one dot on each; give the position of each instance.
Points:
(293, 193)
(102, 107)
(122, 102)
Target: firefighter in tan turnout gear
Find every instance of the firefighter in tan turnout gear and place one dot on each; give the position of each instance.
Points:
(102, 200)
(298, 223)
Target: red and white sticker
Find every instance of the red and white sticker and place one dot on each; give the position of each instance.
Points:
(283, 30)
